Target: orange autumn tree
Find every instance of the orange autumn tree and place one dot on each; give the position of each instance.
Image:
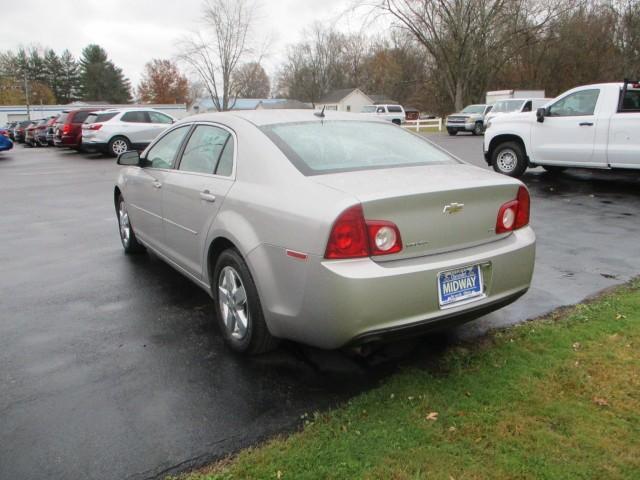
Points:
(162, 82)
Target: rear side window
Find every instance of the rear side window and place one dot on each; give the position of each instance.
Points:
(135, 117)
(203, 149)
(394, 109)
(316, 148)
(80, 117)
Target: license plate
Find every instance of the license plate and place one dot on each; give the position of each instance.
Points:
(458, 285)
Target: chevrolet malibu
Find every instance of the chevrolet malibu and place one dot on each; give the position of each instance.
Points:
(327, 229)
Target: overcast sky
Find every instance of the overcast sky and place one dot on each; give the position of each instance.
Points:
(134, 31)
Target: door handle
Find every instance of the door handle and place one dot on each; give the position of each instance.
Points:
(586, 124)
(157, 184)
(207, 196)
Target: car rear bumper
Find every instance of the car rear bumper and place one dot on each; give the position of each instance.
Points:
(66, 141)
(331, 304)
(95, 146)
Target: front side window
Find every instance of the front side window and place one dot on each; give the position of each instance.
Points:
(157, 117)
(135, 117)
(575, 104)
(204, 149)
(316, 148)
(163, 153)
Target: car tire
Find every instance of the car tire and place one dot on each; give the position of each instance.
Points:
(452, 132)
(118, 145)
(396, 121)
(237, 306)
(509, 159)
(553, 168)
(127, 235)
(478, 129)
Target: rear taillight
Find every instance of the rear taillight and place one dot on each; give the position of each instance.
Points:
(384, 237)
(515, 213)
(94, 126)
(353, 237)
(66, 129)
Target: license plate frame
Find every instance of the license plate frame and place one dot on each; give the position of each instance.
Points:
(461, 295)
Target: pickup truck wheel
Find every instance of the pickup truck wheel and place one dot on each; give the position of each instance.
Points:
(553, 168)
(509, 159)
(452, 132)
(238, 309)
(478, 129)
(396, 121)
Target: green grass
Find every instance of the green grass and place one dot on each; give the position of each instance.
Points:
(555, 398)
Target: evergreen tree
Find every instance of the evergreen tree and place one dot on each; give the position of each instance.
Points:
(53, 73)
(101, 79)
(69, 78)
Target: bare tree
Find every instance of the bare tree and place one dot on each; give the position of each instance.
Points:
(216, 53)
(469, 40)
(252, 81)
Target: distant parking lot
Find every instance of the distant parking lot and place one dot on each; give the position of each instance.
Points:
(112, 367)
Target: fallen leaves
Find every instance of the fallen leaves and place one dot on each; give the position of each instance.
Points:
(601, 402)
(432, 416)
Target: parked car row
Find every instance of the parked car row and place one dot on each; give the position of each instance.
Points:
(111, 131)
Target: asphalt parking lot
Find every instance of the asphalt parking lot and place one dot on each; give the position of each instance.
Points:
(112, 367)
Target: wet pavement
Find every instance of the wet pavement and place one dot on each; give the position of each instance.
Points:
(112, 367)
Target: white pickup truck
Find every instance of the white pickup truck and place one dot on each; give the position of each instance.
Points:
(594, 126)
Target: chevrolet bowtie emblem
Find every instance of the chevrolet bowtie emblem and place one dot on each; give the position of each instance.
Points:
(452, 208)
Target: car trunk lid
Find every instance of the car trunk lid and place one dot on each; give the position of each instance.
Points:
(437, 208)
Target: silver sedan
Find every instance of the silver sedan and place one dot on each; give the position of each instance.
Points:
(327, 229)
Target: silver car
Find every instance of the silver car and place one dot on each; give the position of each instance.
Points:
(329, 230)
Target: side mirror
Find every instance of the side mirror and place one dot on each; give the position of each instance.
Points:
(131, 157)
(540, 114)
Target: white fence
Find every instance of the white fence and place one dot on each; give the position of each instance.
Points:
(430, 123)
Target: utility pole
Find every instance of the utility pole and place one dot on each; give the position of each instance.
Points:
(26, 95)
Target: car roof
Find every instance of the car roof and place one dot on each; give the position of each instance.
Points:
(270, 117)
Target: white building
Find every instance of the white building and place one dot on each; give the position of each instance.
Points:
(13, 113)
(345, 100)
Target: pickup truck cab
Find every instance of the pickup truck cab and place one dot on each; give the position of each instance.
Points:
(393, 113)
(593, 126)
(470, 119)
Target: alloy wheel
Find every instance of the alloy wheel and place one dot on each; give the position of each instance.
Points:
(119, 146)
(125, 226)
(232, 298)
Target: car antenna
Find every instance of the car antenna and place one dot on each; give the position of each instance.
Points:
(321, 113)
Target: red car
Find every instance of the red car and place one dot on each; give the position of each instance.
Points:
(68, 128)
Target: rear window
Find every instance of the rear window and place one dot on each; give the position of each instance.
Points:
(394, 109)
(100, 117)
(80, 117)
(631, 101)
(317, 148)
(62, 118)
